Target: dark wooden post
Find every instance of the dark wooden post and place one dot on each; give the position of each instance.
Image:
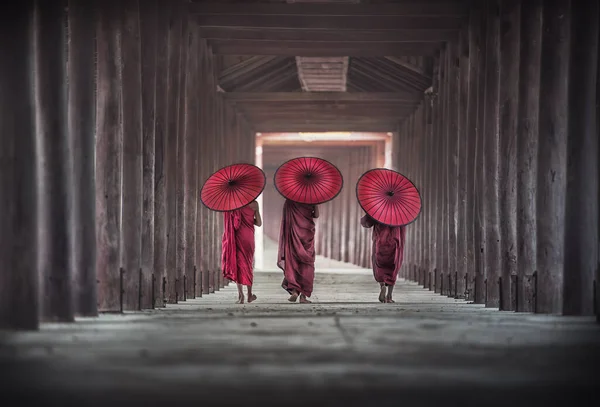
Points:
(472, 131)
(581, 221)
(82, 123)
(552, 155)
(175, 29)
(160, 149)
(182, 145)
(149, 83)
(440, 180)
(490, 151)
(204, 157)
(193, 93)
(108, 157)
(131, 117)
(452, 185)
(56, 237)
(463, 160)
(18, 179)
(527, 146)
(510, 20)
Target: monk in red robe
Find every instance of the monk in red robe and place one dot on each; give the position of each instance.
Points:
(388, 251)
(296, 254)
(237, 256)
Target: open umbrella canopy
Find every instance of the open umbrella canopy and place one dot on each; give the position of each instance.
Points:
(388, 197)
(308, 180)
(232, 187)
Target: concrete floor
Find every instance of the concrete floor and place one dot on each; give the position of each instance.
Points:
(344, 349)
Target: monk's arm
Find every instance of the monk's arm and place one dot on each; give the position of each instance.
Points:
(316, 212)
(257, 218)
(366, 221)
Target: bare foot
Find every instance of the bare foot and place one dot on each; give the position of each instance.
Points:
(389, 300)
(251, 298)
(293, 297)
(304, 300)
(240, 300)
(382, 294)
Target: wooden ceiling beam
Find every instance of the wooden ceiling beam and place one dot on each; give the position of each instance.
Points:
(327, 22)
(406, 8)
(284, 35)
(242, 68)
(287, 126)
(318, 96)
(322, 49)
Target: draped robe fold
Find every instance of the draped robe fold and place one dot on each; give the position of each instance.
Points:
(388, 249)
(296, 254)
(237, 256)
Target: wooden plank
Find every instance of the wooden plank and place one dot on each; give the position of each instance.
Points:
(317, 96)
(581, 222)
(405, 8)
(323, 35)
(82, 121)
(510, 19)
(243, 68)
(319, 49)
(19, 295)
(312, 126)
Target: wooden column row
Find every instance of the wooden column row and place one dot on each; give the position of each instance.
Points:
(508, 161)
(131, 90)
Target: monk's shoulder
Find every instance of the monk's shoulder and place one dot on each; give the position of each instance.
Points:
(253, 205)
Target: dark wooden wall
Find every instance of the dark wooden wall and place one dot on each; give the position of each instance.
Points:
(505, 151)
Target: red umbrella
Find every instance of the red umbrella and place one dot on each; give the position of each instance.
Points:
(232, 187)
(308, 180)
(388, 197)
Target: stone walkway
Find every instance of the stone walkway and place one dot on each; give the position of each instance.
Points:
(345, 348)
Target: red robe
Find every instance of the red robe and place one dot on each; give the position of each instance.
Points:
(296, 254)
(388, 249)
(237, 256)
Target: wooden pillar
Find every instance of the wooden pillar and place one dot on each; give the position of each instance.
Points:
(473, 141)
(18, 178)
(82, 122)
(462, 226)
(160, 151)
(56, 169)
(175, 29)
(425, 189)
(181, 174)
(552, 155)
(439, 184)
(131, 117)
(527, 151)
(193, 93)
(149, 83)
(510, 20)
(480, 220)
(490, 151)
(204, 161)
(581, 221)
(108, 157)
(452, 159)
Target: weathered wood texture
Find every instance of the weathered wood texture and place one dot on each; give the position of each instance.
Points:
(55, 165)
(132, 161)
(18, 178)
(552, 155)
(581, 223)
(160, 152)
(108, 157)
(81, 124)
(149, 38)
